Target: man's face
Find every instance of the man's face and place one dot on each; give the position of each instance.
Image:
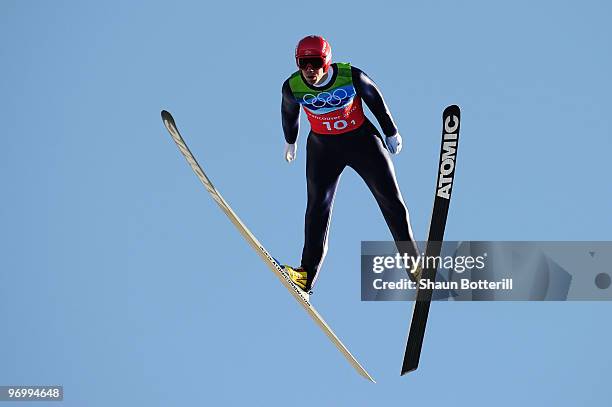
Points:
(312, 69)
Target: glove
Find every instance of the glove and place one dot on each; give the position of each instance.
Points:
(394, 144)
(290, 151)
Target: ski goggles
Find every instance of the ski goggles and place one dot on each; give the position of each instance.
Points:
(315, 63)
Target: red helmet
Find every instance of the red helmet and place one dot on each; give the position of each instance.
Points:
(314, 46)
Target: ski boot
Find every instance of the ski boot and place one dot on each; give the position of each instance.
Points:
(301, 278)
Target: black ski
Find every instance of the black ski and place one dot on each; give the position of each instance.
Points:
(446, 173)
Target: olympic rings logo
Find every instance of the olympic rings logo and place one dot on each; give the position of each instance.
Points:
(332, 99)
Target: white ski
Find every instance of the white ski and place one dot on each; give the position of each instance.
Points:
(276, 268)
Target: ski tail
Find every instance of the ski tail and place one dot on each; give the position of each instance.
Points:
(270, 261)
(444, 184)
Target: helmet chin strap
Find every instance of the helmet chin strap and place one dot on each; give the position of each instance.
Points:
(326, 77)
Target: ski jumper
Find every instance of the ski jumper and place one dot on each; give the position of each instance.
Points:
(341, 135)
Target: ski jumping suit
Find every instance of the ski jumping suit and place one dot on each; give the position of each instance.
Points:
(341, 135)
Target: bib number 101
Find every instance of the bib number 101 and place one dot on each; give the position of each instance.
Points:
(338, 124)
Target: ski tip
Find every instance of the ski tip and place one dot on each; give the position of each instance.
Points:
(364, 373)
(407, 369)
(405, 372)
(168, 121)
(166, 115)
(452, 110)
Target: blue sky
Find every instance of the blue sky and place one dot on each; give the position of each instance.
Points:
(121, 280)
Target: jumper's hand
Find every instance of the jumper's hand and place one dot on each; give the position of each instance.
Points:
(394, 144)
(290, 151)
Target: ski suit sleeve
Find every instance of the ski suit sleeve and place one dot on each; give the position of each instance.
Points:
(290, 113)
(370, 94)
